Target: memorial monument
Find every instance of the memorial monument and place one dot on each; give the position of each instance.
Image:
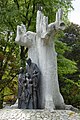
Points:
(41, 51)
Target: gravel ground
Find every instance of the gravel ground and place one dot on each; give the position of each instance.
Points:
(25, 114)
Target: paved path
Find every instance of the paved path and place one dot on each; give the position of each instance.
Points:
(19, 114)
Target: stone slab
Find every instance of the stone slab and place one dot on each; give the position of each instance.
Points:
(25, 114)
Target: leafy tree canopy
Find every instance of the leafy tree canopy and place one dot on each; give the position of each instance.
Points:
(70, 82)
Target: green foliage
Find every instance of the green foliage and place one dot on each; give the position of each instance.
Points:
(65, 65)
(9, 61)
(10, 92)
(24, 11)
(72, 90)
(72, 39)
(69, 74)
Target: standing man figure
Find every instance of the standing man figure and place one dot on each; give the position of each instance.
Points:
(33, 84)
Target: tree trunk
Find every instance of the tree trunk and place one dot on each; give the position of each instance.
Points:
(1, 99)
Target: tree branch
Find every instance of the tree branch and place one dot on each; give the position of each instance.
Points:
(16, 1)
(8, 82)
(11, 26)
(29, 21)
(26, 16)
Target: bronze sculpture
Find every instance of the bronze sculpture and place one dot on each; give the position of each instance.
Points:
(28, 90)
